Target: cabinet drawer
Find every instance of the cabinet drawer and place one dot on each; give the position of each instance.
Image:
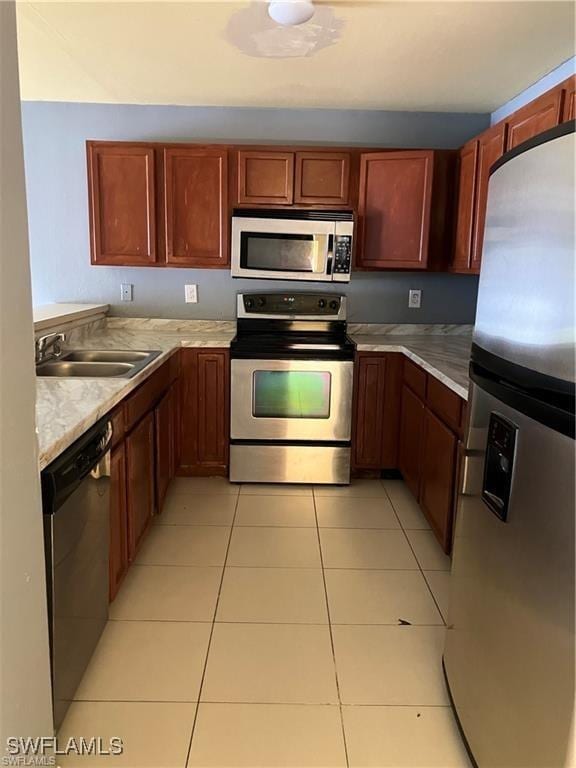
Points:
(146, 396)
(118, 420)
(415, 378)
(445, 403)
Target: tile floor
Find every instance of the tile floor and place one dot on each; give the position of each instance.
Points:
(260, 627)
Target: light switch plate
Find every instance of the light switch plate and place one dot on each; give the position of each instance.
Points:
(414, 298)
(191, 294)
(126, 291)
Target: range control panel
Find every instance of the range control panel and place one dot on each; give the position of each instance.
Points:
(281, 304)
(342, 256)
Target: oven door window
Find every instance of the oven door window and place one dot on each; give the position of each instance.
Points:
(291, 394)
(269, 252)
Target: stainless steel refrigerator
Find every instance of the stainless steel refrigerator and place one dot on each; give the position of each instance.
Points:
(509, 654)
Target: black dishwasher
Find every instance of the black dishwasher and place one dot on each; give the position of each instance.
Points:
(76, 507)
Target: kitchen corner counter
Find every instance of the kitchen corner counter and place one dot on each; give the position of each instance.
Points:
(444, 356)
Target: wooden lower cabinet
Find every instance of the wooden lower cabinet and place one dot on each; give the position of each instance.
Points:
(164, 446)
(204, 412)
(140, 485)
(411, 433)
(437, 479)
(118, 519)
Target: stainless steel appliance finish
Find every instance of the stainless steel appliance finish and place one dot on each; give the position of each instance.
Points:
(510, 643)
(247, 423)
(292, 374)
(76, 503)
(292, 245)
(289, 464)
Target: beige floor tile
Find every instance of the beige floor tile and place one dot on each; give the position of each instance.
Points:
(379, 597)
(406, 506)
(288, 511)
(275, 489)
(267, 663)
(428, 552)
(197, 509)
(359, 548)
(184, 545)
(348, 512)
(403, 737)
(153, 734)
(357, 488)
(168, 593)
(439, 582)
(210, 485)
(275, 595)
(267, 736)
(146, 661)
(390, 665)
(274, 547)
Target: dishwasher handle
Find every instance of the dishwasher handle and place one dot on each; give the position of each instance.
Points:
(64, 475)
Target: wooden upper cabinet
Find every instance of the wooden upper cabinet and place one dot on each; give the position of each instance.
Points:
(265, 177)
(322, 178)
(196, 206)
(536, 117)
(491, 146)
(122, 212)
(394, 209)
(569, 105)
(467, 177)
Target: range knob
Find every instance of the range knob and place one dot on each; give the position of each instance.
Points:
(334, 305)
(261, 301)
(322, 303)
(249, 303)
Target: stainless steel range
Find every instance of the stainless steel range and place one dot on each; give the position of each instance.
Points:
(292, 368)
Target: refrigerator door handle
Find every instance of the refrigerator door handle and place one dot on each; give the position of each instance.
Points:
(472, 473)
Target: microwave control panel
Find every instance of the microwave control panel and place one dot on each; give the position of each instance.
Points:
(342, 257)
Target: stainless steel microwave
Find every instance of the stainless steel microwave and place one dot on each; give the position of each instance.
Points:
(292, 245)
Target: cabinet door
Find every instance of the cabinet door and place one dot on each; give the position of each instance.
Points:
(438, 477)
(122, 210)
(118, 519)
(465, 214)
(394, 209)
(411, 434)
(534, 118)
(265, 177)
(140, 481)
(163, 418)
(196, 206)
(569, 106)
(204, 409)
(491, 145)
(369, 412)
(322, 178)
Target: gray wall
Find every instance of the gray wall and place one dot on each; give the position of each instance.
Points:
(54, 137)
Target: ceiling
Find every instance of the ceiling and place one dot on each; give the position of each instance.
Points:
(440, 56)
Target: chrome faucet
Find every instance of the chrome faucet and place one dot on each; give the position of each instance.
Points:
(49, 347)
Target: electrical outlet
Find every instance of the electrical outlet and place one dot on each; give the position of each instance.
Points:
(414, 299)
(126, 291)
(191, 294)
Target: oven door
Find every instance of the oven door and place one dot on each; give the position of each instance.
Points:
(282, 249)
(291, 400)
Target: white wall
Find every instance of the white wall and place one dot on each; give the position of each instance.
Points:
(25, 708)
(536, 89)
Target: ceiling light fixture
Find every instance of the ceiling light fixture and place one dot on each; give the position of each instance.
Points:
(291, 12)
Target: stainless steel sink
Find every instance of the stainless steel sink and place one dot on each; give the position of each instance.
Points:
(97, 364)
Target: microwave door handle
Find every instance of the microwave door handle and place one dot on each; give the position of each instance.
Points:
(329, 254)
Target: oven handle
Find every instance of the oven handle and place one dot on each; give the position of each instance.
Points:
(329, 254)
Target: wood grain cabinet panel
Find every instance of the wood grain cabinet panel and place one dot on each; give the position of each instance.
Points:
(118, 519)
(204, 411)
(537, 116)
(394, 205)
(322, 178)
(491, 145)
(196, 206)
(467, 177)
(164, 447)
(438, 477)
(140, 481)
(569, 105)
(265, 177)
(411, 437)
(122, 209)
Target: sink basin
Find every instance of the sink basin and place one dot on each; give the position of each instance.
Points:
(97, 364)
